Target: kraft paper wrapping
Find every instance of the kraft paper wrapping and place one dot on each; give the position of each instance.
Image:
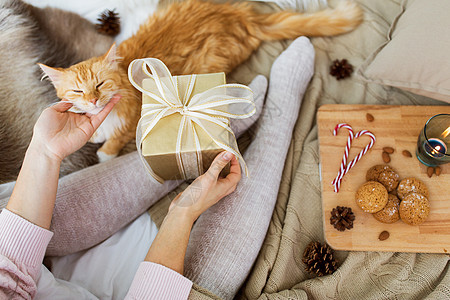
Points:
(159, 147)
(184, 120)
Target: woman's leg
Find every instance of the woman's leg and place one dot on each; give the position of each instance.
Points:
(226, 239)
(94, 203)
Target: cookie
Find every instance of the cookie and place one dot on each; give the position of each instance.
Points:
(389, 178)
(385, 175)
(371, 197)
(414, 209)
(390, 213)
(411, 185)
(372, 173)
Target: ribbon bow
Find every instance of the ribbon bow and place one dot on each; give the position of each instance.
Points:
(209, 109)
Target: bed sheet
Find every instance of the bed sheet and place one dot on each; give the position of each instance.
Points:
(101, 272)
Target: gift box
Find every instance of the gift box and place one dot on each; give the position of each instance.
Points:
(159, 147)
(185, 119)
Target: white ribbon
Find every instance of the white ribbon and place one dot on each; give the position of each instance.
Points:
(208, 109)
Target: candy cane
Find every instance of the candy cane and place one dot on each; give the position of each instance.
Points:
(347, 147)
(337, 181)
(363, 151)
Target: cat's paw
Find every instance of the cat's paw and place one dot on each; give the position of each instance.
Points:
(102, 156)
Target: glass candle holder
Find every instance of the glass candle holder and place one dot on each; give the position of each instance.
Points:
(433, 144)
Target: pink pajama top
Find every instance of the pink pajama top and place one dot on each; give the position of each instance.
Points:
(22, 250)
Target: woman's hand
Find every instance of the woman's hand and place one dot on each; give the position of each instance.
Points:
(169, 246)
(60, 133)
(57, 133)
(208, 189)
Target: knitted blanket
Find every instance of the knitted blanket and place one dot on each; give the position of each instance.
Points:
(279, 272)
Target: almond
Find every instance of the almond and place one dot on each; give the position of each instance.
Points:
(438, 171)
(386, 157)
(389, 150)
(406, 153)
(430, 171)
(383, 236)
(369, 117)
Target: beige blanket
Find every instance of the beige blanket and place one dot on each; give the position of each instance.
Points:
(297, 220)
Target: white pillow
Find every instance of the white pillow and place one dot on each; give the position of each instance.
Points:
(415, 56)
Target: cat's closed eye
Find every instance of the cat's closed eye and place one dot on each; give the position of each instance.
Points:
(78, 91)
(99, 85)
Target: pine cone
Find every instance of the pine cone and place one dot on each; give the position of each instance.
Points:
(109, 23)
(342, 218)
(319, 259)
(341, 69)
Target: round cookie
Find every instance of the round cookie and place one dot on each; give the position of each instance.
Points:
(371, 197)
(411, 185)
(414, 209)
(389, 178)
(372, 173)
(390, 213)
(385, 175)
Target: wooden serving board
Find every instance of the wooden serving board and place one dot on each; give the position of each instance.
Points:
(397, 127)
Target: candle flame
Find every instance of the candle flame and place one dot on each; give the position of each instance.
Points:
(446, 132)
(436, 150)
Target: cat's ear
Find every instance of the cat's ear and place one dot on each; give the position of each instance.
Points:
(54, 74)
(111, 56)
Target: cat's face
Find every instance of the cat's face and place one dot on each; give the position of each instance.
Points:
(88, 85)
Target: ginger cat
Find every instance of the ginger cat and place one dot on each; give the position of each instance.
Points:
(89, 86)
(190, 37)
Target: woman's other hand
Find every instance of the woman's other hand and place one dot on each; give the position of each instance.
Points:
(208, 188)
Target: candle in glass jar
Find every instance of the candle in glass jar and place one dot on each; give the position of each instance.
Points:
(435, 147)
(434, 141)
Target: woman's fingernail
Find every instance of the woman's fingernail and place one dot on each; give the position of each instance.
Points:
(227, 156)
(116, 98)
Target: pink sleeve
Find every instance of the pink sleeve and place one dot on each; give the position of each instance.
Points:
(154, 281)
(22, 249)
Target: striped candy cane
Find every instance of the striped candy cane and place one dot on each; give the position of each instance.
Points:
(347, 147)
(337, 181)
